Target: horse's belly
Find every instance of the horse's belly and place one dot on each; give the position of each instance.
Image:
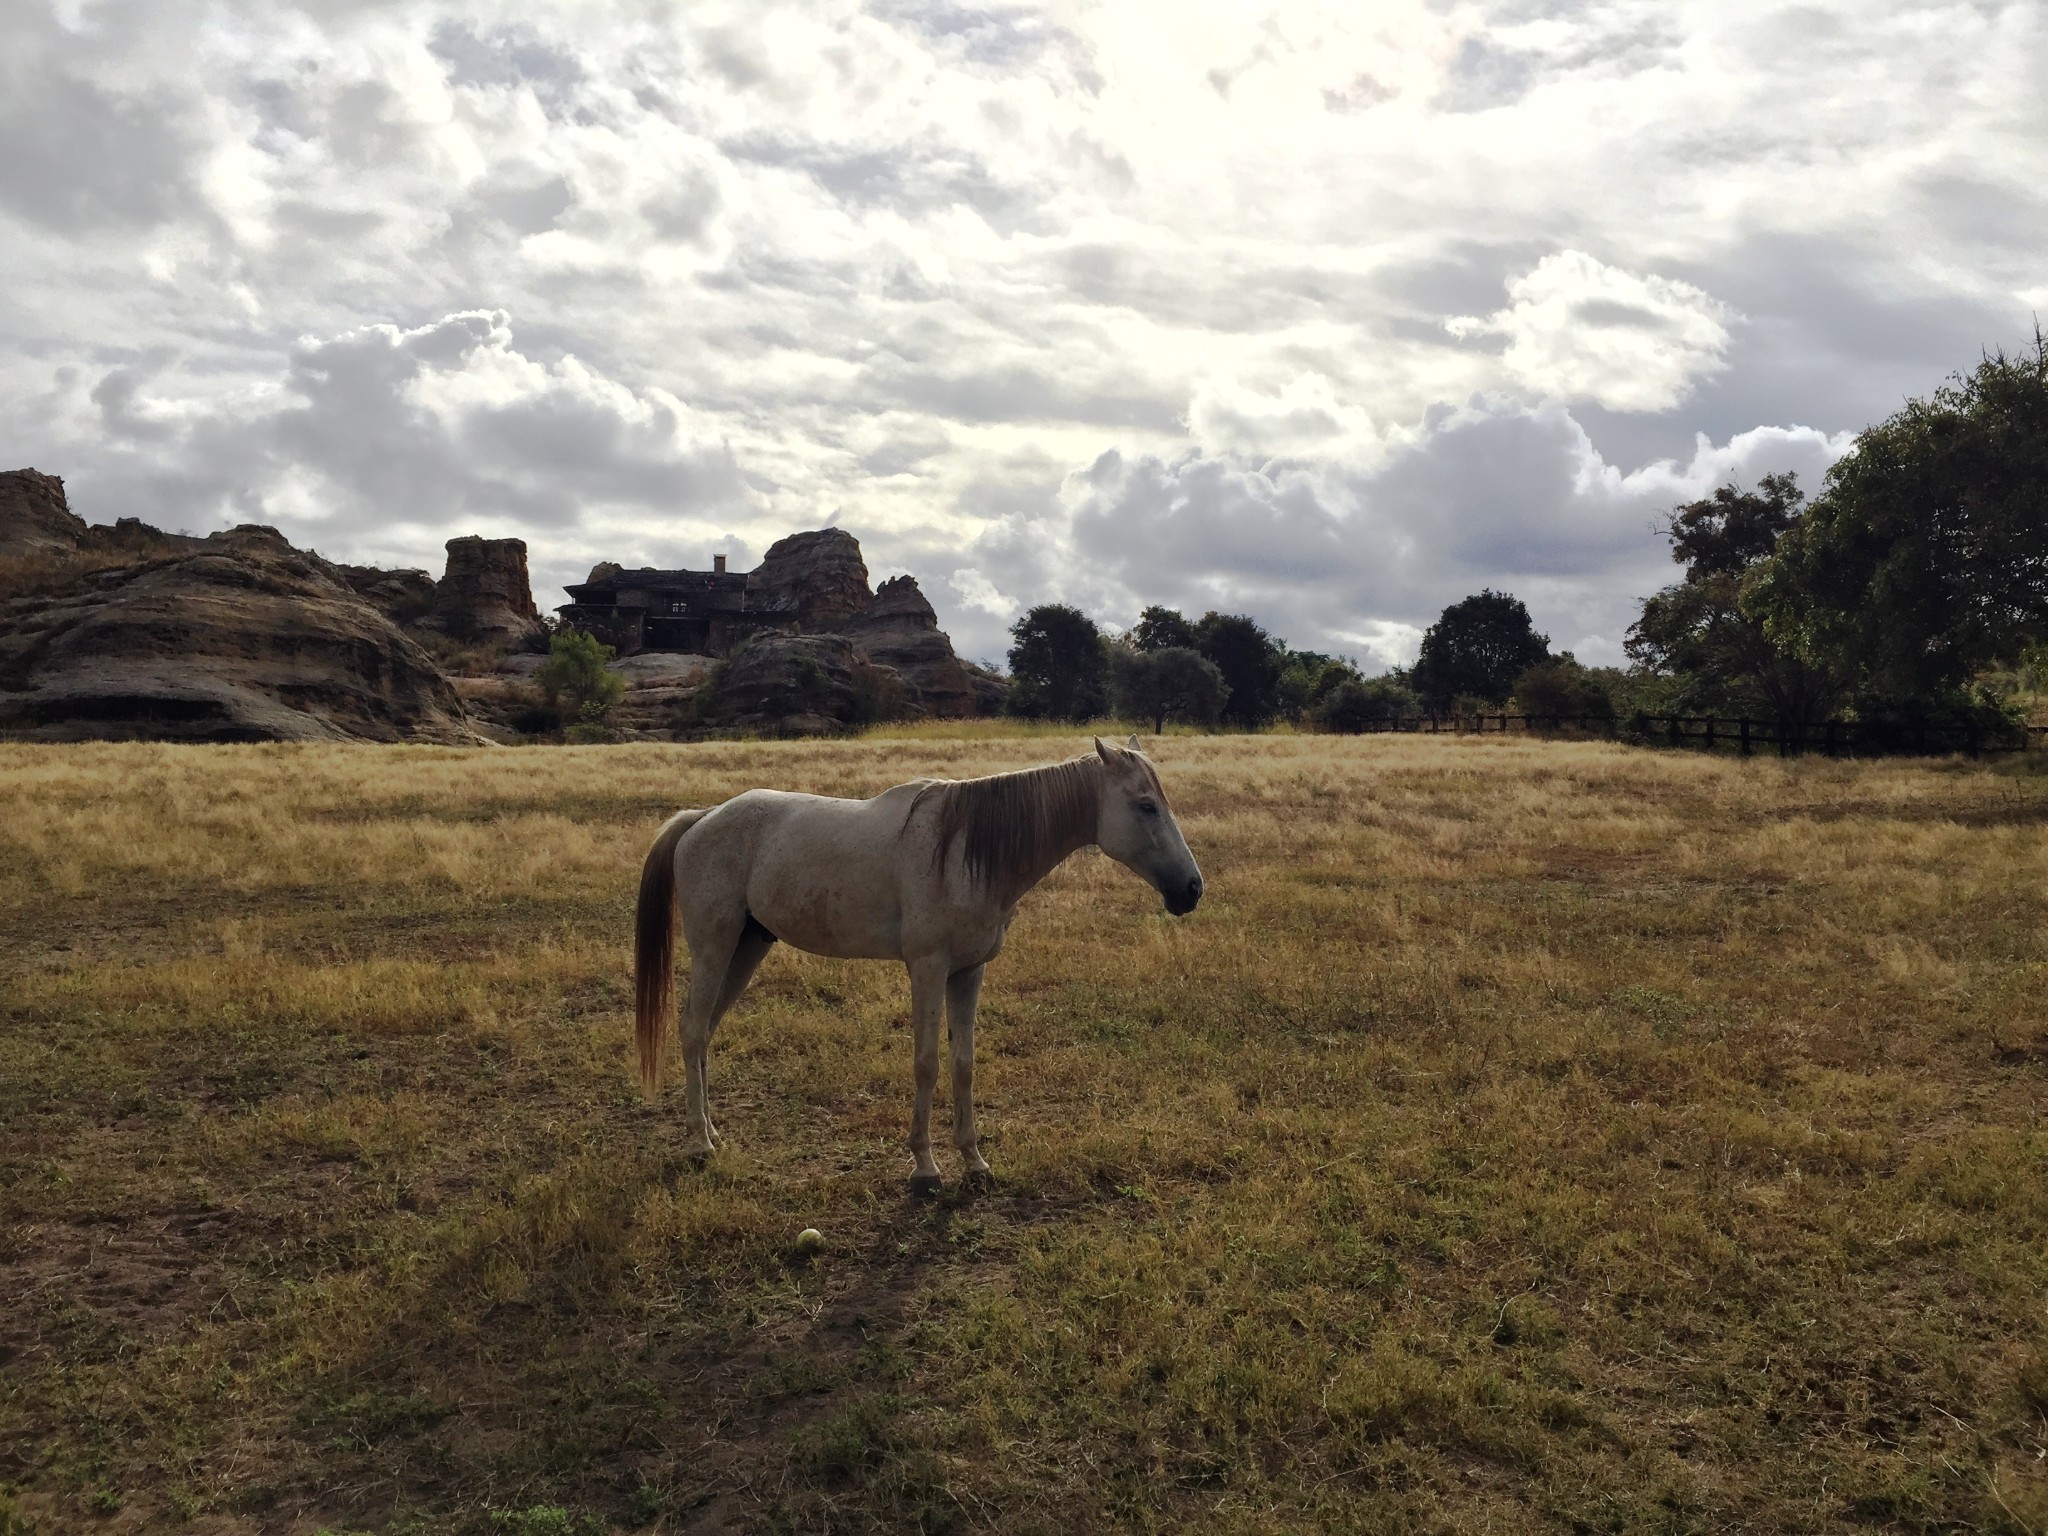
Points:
(847, 919)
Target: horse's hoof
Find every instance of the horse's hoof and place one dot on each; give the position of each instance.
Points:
(978, 1180)
(926, 1185)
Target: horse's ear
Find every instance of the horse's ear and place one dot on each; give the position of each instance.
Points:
(1133, 743)
(1104, 751)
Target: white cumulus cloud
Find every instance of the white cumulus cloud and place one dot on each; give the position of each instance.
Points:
(1577, 328)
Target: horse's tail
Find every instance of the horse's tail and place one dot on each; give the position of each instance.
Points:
(654, 948)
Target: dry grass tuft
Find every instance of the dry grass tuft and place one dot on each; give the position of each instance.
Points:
(1522, 1136)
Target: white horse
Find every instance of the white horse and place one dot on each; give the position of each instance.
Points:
(929, 873)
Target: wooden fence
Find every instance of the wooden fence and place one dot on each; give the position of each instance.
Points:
(1713, 732)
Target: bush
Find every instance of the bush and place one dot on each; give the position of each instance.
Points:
(573, 679)
(1363, 703)
(1563, 687)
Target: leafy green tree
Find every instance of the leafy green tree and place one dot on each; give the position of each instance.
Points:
(1250, 661)
(1478, 648)
(1162, 629)
(1171, 684)
(574, 680)
(1561, 686)
(1358, 703)
(1701, 632)
(1308, 677)
(1925, 557)
(1059, 665)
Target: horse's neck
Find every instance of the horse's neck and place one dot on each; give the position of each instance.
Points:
(1071, 841)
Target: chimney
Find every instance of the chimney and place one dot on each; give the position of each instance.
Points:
(718, 564)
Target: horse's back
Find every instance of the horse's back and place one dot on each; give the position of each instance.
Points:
(822, 873)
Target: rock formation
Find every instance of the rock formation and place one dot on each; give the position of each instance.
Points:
(814, 580)
(34, 516)
(235, 637)
(900, 629)
(802, 685)
(484, 595)
(402, 596)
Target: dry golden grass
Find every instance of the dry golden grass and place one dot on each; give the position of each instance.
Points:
(1522, 1135)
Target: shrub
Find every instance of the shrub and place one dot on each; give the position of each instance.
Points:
(574, 680)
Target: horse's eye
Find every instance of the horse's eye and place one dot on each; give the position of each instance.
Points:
(1149, 807)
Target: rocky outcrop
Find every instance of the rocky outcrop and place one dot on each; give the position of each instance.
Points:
(802, 685)
(235, 637)
(34, 516)
(484, 596)
(900, 629)
(402, 596)
(811, 580)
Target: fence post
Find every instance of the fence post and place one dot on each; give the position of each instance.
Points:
(1745, 735)
(1674, 729)
(1710, 733)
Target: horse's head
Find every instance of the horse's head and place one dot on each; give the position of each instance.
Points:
(1135, 826)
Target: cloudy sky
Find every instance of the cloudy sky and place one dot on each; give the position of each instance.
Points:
(1330, 314)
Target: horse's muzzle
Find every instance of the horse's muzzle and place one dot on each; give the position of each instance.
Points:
(1181, 902)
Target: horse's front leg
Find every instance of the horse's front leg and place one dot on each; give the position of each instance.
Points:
(927, 1006)
(963, 996)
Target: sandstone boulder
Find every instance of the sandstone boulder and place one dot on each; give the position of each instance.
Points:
(802, 685)
(484, 596)
(811, 580)
(235, 637)
(900, 629)
(34, 516)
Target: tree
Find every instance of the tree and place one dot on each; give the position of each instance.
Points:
(1059, 665)
(1250, 661)
(1171, 684)
(1561, 686)
(1925, 557)
(1162, 629)
(1478, 647)
(1701, 634)
(574, 679)
(1357, 704)
(1308, 677)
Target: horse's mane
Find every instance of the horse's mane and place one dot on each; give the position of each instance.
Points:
(1015, 825)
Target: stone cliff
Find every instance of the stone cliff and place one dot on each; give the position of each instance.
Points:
(235, 637)
(34, 516)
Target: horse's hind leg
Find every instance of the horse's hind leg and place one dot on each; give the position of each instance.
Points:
(714, 988)
(699, 1018)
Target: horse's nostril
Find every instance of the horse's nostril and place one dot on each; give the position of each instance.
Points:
(1195, 889)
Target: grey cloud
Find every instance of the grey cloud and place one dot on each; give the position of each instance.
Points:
(1482, 498)
(1020, 393)
(82, 156)
(1484, 75)
(907, 178)
(525, 207)
(506, 56)
(115, 395)
(535, 459)
(685, 208)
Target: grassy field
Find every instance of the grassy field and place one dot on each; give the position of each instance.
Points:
(1522, 1136)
